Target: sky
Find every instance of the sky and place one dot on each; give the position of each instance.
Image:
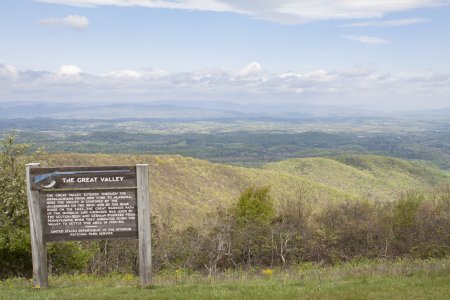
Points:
(381, 54)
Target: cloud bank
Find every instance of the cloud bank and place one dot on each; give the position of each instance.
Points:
(388, 23)
(249, 84)
(284, 11)
(368, 40)
(73, 21)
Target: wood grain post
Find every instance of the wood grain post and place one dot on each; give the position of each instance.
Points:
(38, 247)
(144, 225)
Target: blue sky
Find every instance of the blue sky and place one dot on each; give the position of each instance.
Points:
(391, 54)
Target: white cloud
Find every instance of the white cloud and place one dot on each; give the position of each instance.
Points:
(8, 71)
(284, 11)
(368, 40)
(73, 21)
(388, 23)
(133, 74)
(250, 70)
(205, 5)
(319, 76)
(356, 86)
(124, 74)
(314, 76)
(69, 70)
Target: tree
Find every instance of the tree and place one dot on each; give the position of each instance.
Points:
(251, 234)
(15, 249)
(255, 205)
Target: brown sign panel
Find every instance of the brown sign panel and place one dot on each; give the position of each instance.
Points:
(44, 179)
(96, 214)
(87, 203)
(79, 203)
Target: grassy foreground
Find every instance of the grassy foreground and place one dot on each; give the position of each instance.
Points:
(429, 279)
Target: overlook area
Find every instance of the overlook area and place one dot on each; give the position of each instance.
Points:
(223, 149)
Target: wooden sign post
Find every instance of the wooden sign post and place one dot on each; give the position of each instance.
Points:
(80, 203)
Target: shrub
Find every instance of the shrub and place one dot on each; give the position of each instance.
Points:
(350, 230)
(15, 247)
(255, 205)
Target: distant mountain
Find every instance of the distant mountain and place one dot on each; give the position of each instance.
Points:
(198, 110)
(435, 113)
(173, 110)
(105, 111)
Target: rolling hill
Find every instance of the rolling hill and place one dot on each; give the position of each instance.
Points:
(185, 189)
(367, 176)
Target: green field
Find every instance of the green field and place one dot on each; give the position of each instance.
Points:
(429, 279)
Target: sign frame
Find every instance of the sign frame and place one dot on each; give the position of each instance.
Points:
(140, 185)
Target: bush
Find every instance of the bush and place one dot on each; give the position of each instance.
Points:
(255, 205)
(405, 223)
(350, 230)
(251, 233)
(66, 258)
(15, 247)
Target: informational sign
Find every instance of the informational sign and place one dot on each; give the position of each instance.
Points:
(83, 215)
(88, 203)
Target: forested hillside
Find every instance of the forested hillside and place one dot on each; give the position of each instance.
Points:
(186, 189)
(365, 176)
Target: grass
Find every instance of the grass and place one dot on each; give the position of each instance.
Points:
(403, 279)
